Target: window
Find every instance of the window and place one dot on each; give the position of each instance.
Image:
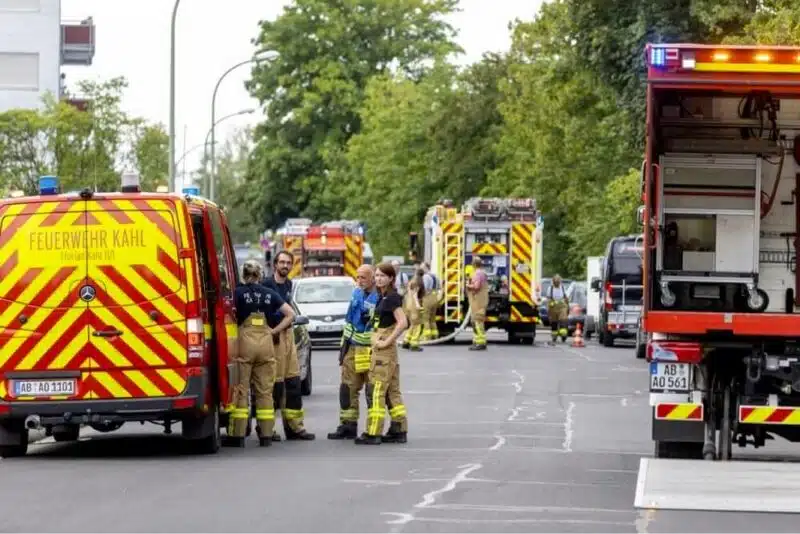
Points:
(225, 269)
(20, 5)
(19, 71)
(321, 292)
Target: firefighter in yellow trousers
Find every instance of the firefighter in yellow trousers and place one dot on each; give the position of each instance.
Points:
(558, 309)
(383, 379)
(430, 303)
(415, 311)
(255, 362)
(478, 297)
(355, 353)
(288, 388)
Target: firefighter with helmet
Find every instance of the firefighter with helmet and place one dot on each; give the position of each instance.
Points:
(558, 309)
(255, 363)
(430, 302)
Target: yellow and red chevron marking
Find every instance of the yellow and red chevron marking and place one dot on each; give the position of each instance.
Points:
(352, 255)
(522, 262)
(680, 412)
(517, 317)
(454, 314)
(769, 415)
(294, 244)
(129, 249)
(452, 227)
(492, 319)
(489, 248)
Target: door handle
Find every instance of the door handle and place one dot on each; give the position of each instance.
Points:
(107, 333)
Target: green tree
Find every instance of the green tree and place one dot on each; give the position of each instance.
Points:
(421, 141)
(327, 51)
(564, 140)
(85, 148)
(231, 170)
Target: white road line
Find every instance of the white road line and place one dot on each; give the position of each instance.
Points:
(522, 521)
(500, 442)
(430, 498)
(641, 480)
(528, 509)
(568, 423)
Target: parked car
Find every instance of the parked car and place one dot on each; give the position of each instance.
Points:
(324, 300)
(544, 315)
(303, 343)
(577, 293)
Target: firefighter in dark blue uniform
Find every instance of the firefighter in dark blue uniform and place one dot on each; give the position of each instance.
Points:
(287, 393)
(255, 363)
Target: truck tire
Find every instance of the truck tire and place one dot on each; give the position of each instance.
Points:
(641, 351)
(212, 441)
(608, 339)
(14, 451)
(513, 339)
(306, 385)
(678, 449)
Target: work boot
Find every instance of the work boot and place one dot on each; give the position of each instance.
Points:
(366, 439)
(394, 434)
(478, 347)
(275, 436)
(265, 441)
(406, 345)
(228, 441)
(415, 348)
(347, 430)
(302, 435)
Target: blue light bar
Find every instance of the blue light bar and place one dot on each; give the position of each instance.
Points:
(193, 190)
(658, 57)
(48, 185)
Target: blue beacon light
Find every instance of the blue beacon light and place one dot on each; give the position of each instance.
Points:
(194, 191)
(658, 57)
(48, 185)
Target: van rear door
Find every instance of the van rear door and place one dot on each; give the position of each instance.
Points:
(43, 321)
(138, 318)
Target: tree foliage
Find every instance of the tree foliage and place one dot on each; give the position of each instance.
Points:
(327, 51)
(85, 148)
(369, 119)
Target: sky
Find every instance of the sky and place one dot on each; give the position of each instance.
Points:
(133, 39)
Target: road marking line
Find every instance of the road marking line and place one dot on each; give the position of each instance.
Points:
(512, 521)
(532, 509)
(641, 479)
(430, 498)
(500, 442)
(568, 422)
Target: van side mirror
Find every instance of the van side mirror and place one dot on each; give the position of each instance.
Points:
(595, 284)
(640, 215)
(300, 320)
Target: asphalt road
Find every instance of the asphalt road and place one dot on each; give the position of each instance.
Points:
(514, 439)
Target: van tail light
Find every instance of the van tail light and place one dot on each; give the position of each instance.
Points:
(195, 337)
(609, 301)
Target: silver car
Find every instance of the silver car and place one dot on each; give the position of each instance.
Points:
(324, 300)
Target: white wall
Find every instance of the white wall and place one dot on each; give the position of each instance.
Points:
(30, 52)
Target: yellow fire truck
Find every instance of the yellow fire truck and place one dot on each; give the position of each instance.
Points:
(329, 248)
(507, 235)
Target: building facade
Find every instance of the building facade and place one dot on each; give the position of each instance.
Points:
(34, 44)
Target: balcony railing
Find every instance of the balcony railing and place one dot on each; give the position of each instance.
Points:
(77, 42)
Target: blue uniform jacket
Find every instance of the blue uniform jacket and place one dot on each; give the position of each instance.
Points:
(358, 320)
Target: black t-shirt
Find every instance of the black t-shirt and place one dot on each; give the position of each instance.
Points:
(284, 290)
(384, 311)
(255, 298)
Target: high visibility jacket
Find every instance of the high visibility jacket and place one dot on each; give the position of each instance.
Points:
(358, 320)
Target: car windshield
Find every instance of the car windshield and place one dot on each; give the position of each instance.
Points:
(327, 291)
(577, 294)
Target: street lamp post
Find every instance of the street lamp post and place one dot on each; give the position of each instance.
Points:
(212, 177)
(207, 185)
(172, 178)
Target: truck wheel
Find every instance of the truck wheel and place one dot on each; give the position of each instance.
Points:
(725, 431)
(14, 451)
(641, 351)
(67, 433)
(305, 385)
(211, 442)
(608, 340)
(678, 449)
(527, 341)
(513, 339)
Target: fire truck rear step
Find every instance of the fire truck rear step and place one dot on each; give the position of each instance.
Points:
(749, 486)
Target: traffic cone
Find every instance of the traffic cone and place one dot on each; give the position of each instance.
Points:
(577, 339)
